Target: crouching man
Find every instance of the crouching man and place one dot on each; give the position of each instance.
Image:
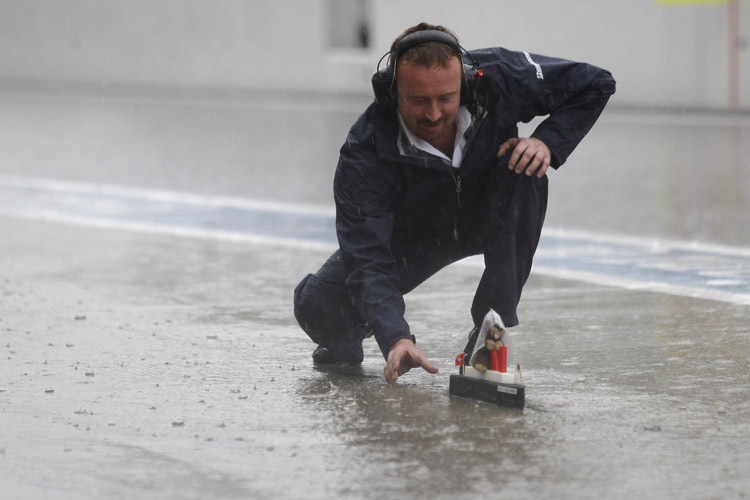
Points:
(434, 171)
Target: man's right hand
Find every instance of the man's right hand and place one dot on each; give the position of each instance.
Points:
(402, 357)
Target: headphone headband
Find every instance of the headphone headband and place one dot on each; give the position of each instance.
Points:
(425, 36)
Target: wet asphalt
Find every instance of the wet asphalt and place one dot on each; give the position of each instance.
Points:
(143, 361)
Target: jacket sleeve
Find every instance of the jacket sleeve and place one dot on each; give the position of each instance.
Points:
(364, 224)
(573, 94)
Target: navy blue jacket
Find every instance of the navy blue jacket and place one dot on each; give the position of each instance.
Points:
(378, 190)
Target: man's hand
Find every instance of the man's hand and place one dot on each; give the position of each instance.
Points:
(529, 154)
(402, 357)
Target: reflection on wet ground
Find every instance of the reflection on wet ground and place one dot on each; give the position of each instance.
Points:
(148, 364)
(180, 354)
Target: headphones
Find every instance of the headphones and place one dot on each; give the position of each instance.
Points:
(384, 81)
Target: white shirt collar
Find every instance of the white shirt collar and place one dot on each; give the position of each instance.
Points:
(463, 122)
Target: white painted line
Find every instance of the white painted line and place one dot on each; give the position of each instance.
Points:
(209, 234)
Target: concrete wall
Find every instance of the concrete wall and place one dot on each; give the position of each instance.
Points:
(661, 55)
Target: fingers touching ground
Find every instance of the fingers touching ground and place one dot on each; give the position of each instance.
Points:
(404, 356)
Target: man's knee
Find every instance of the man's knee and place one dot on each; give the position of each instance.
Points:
(301, 306)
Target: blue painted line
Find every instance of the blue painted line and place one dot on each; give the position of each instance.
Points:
(679, 266)
(169, 212)
(683, 268)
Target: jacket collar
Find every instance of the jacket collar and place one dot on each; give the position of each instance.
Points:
(387, 133)
(387, 136)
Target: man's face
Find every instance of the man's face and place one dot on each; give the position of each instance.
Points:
(429, 98)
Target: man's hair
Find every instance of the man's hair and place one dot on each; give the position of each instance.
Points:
(427, 54)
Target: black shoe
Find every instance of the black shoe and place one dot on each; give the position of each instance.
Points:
(473, 335)
(323, 356)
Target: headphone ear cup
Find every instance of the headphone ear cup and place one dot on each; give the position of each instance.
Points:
(384, 88)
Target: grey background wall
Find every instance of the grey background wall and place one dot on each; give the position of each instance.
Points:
(662, 55)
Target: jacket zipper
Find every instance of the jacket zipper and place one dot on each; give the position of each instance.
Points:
(457, 181)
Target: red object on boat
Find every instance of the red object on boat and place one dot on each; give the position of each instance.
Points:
(460, 359)
(495, 361)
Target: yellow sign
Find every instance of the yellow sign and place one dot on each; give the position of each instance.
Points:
(673, 2)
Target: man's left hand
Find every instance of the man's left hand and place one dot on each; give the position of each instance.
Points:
(530, 155)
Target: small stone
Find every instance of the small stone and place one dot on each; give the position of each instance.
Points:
(178, 423)
(80, 318)
(49, 391)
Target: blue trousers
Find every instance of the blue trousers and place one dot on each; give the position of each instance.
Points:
(504, 226)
